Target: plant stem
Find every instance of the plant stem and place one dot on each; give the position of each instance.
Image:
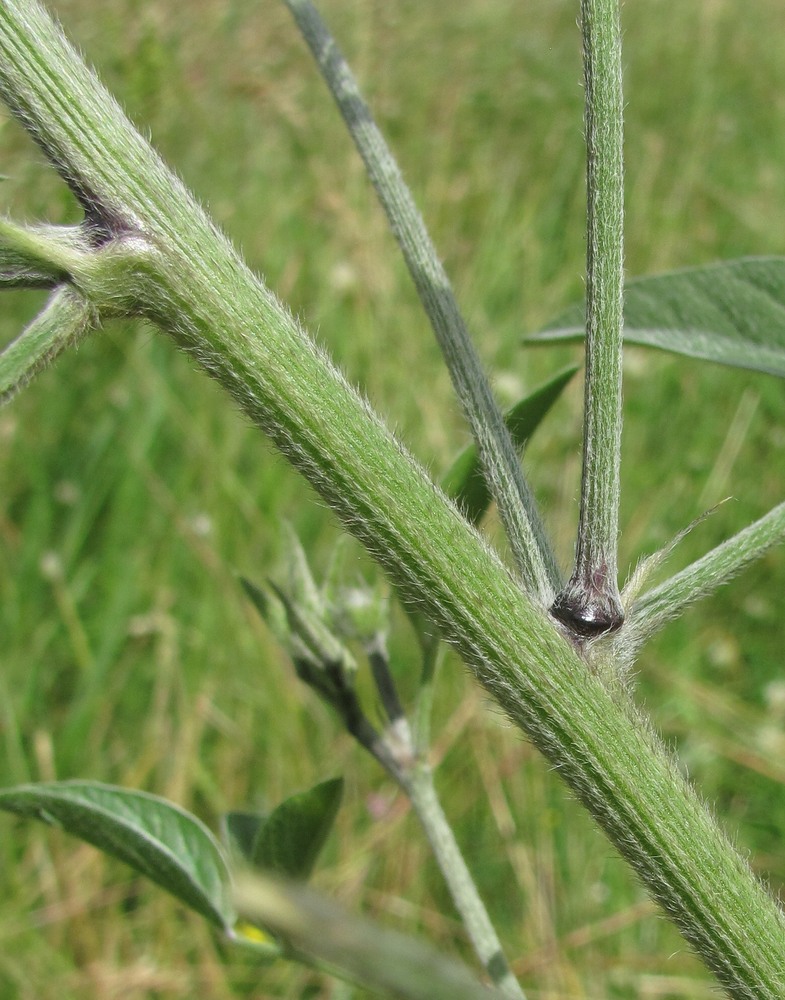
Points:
(650, 612)
(517, 507)
(403, 756)
(188, 280)
(62, 323)
(426, 804)
(590, 604)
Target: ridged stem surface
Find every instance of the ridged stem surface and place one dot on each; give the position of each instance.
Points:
(185, 276)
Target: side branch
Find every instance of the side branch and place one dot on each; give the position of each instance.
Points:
(200, 292)
(590, 604)
(517, 507)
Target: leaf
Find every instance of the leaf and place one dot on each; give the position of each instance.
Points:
(259, 598)
(647, 566)
(464, 480)
(732, 313)
(385, 962)
(153, 836)
(240, 830)
(289, 841)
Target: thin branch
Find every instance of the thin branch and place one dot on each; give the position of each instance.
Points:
(398, 753)
(590, 604)
(669, 599)
(198, 290)
(63, 322)
(515, 501)
(425, 802)
(299, 621)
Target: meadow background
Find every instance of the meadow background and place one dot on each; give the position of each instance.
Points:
(132, 494)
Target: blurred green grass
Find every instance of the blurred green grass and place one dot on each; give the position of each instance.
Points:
(133, 495)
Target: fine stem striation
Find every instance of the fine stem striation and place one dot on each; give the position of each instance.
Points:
(200, 292)
(517, 507)
(590, 604)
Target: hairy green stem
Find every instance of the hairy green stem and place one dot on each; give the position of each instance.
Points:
(395, 750)
(517, 507)
(412, 772)
(426, 804)
(62, 323)
(185, 276)
(651, 611)
(590, 604)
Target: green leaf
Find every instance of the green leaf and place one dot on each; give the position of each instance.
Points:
(240, 830)
(153, 836)
(385, 962)
(259, 598)
(732, 313)
(289, 840)
(465, 482)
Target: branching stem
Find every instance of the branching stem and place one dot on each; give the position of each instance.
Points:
(590, 604)
(197, 289)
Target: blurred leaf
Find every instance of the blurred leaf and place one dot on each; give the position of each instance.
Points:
(732, 313)
(240, 830)
(263, 943)
(288, 842)
(301, 587)
(259, 598)
(385, 962)
(153, 836)
(465, 482)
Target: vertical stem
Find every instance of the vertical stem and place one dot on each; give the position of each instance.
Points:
(590, 604)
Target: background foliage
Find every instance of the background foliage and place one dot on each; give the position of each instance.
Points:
(132, 496)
